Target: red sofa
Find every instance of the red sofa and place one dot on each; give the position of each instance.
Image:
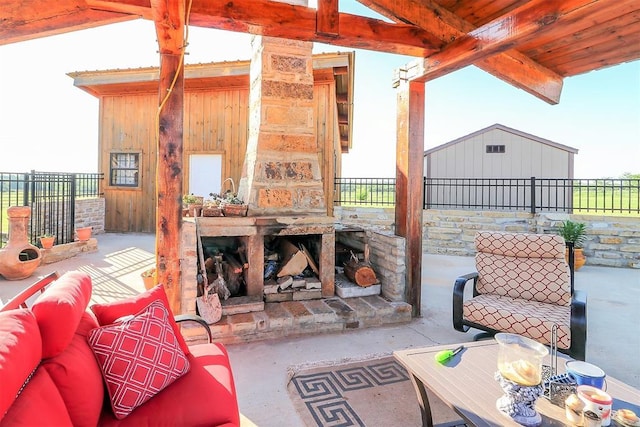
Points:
(51, 375)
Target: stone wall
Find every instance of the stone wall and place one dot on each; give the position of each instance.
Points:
(611, 241)
(387, 254)
(90, 213)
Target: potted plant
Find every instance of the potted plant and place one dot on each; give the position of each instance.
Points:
(193, 204)
(230, 203)
(149, 278)
(574, 232)
(211, 206)
(47, 240)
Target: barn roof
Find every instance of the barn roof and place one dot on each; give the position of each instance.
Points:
(503, 128)
(335, 65)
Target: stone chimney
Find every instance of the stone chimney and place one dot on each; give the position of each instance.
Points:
(281, 173)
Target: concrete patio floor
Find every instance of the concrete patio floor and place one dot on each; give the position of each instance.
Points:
(260, 368)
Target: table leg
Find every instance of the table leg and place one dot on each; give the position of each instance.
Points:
(423, 401)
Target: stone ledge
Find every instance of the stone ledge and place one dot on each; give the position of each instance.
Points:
(68, 250)
(297, 318)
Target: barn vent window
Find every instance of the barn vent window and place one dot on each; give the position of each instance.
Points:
(495, 149)
(124, 169)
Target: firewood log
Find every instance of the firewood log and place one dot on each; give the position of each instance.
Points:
(294, 261)
(360, 272)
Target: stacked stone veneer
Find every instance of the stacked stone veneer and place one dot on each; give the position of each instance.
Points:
(90, 213)
(611, 241)
(387, 254)
(281, 173)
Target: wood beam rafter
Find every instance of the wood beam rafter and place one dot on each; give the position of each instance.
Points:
(275, 19)
(328, 21)
(501, 34)
(511, 66)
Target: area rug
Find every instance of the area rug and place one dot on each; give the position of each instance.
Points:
(371, 391)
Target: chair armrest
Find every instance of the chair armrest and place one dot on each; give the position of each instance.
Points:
(578, 324)
(458, 299)
(20, 300)
(195, 318)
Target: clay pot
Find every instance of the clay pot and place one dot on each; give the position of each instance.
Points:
(83, 234)
(578, 258)
(47, 241)
(19, 259)
(149, 278)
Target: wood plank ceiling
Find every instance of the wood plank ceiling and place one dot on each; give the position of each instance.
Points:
(531, 44)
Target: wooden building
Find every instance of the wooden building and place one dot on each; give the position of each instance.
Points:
(492, 166)
(215, 131)
(500, 152)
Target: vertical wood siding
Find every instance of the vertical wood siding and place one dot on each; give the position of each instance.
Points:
(215, 122)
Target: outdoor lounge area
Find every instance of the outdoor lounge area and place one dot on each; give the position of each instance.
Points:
(263, 368)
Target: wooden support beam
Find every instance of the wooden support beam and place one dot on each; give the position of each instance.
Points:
(275, 19)
(169, 18)
(409, 183)
(511, 66)
(328, 18)
(500, 35)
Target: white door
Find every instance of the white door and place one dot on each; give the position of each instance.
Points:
(205, 171)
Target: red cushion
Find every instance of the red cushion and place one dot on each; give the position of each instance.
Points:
(20, 353)
(208, 387)
(39, 404)
(78, 378)
(139, 357)
(109, 312)
(58, 310)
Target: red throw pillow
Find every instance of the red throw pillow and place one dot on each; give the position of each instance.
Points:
(108, 313)
(138, 357)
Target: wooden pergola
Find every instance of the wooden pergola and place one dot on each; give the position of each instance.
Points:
(530, 44)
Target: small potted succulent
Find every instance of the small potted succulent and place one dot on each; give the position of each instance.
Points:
(211, 206)
(193, 204)
(149, 278)
(230, 203)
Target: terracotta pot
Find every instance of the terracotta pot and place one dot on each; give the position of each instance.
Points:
(578, 258)
(83, 234)
(149, 279)
(47, 241)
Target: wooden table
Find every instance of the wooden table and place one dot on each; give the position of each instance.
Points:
(466, 384)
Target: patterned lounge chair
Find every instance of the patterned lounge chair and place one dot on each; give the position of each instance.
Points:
(523, 286)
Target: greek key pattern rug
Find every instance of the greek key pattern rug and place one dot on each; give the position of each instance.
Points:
(369, 393)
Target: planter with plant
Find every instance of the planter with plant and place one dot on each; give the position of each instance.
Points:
(149, 278)
(193, 204)
(230, 203)
(211, 206)
(574, 232)
(47, 240)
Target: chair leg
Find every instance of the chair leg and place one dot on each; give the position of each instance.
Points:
(483, 336)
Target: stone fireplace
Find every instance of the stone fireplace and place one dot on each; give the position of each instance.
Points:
(281, 181)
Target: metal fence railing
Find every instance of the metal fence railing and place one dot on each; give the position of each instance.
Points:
(518, 194)
(365, 191)
(51, 197)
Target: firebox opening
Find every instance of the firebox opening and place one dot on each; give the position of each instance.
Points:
(225, 263)
(291, 269)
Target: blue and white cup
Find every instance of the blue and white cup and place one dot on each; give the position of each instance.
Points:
(584, 373)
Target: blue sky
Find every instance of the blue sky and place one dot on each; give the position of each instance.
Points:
(49, 125)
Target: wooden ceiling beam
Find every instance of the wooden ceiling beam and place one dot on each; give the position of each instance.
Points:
(511, 66)
(28, 20)
(328, 22)
(501, 34)
(275, 19)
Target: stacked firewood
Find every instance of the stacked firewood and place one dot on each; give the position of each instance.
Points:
(225, 272)
(289, 267)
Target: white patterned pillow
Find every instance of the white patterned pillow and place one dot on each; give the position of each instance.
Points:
(138, 357)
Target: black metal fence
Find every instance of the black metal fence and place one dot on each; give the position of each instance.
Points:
(520, 194)
(51, 197)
